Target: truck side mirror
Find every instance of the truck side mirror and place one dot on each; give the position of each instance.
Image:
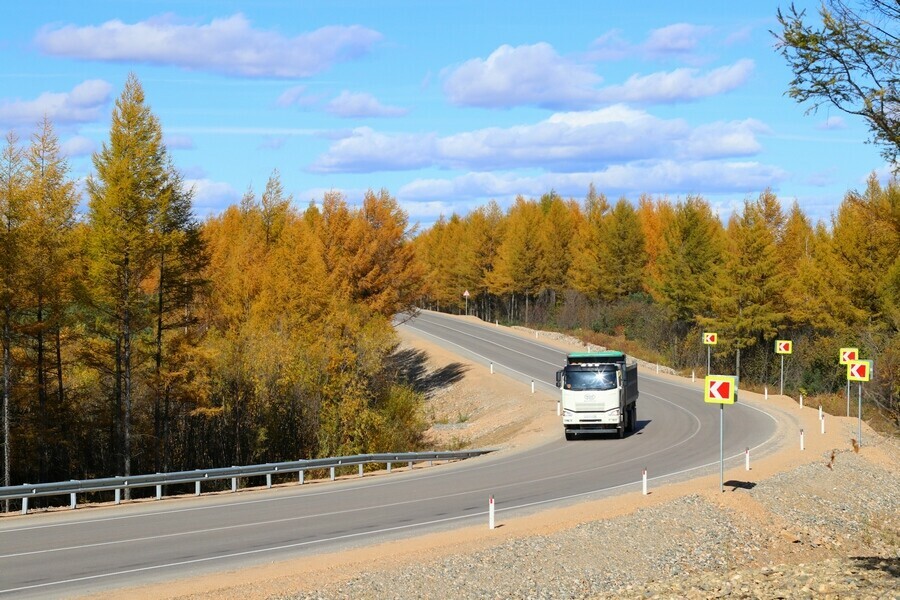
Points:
(559, 379)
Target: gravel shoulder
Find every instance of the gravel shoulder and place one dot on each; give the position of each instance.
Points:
(822, 523)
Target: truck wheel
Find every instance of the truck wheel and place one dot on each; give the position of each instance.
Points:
(632, 418)
(622, 428)
(570, 436)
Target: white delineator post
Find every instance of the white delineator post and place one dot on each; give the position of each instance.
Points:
(558, 407)
(492, 368)
(644, 482)
(766, 392)
(801, 400)
(801, 439)
(532, 386)
(747, 459)
(822, 421)
(820, 412)
(491, 513)
(692, 376)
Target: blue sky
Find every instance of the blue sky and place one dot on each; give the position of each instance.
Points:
(447, 104)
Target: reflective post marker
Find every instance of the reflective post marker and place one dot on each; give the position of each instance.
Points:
(644, 480)
(801, 439)
(491, 513)
(721, 447)
(782, 375)
(848, 397)
(801, 400)
(558, 407)
(532, 386)
(859, 417)
(747, 459)
(492, 368)
(766, 392)
(822, 421)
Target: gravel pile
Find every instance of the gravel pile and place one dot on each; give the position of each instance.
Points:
(813, 532)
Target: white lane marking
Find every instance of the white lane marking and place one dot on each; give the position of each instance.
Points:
(470, 352)
(499, 332)
(364, 533)
(367, 508)
(547, 501)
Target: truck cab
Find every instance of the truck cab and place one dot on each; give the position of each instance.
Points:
(599, 393)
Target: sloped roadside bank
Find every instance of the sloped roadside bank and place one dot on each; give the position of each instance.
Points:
(571, 551)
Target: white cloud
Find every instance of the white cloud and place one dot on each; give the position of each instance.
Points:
(680, 85)
(534, 75)
(211, 197)
(179, 141)
(273, 143)
(660, 177)
(832, 123)
(571, 141)
(228, 45)
(679, 39)
(299, 96)
(361, 104)
(86, 102)
(78, 146)
(367, 150)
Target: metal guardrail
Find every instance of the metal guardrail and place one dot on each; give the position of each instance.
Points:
(117, 484)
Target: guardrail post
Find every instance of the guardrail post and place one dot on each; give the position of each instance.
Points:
(72, 503)
(360, 469)
(410, 465)
(118, 496)
(159, 492)
(268, 480)
(389, 466)
(234, 484)
(301, 476)
(197, 488)
(332, 473)
(25, 506)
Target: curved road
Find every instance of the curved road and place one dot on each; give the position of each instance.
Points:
(76, 552)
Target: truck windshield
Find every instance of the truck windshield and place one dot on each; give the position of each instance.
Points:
(591, 380)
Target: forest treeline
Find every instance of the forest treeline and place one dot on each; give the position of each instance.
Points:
(650, 278)
(137, 339)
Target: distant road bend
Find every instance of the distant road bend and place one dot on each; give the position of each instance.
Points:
(67, 553)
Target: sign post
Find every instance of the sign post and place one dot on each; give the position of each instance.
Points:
(783, 347)
(721, 390)
(859, 370)
(710, 339)
(848, 354)
(466, 296)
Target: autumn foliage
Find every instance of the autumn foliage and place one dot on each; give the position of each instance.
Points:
(651, 278)
(138, 339)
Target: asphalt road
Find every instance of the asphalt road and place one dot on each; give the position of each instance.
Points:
(89, 550)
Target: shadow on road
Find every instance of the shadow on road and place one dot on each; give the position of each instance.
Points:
(411, 368)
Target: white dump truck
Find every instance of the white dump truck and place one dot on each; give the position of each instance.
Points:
(599, 393)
